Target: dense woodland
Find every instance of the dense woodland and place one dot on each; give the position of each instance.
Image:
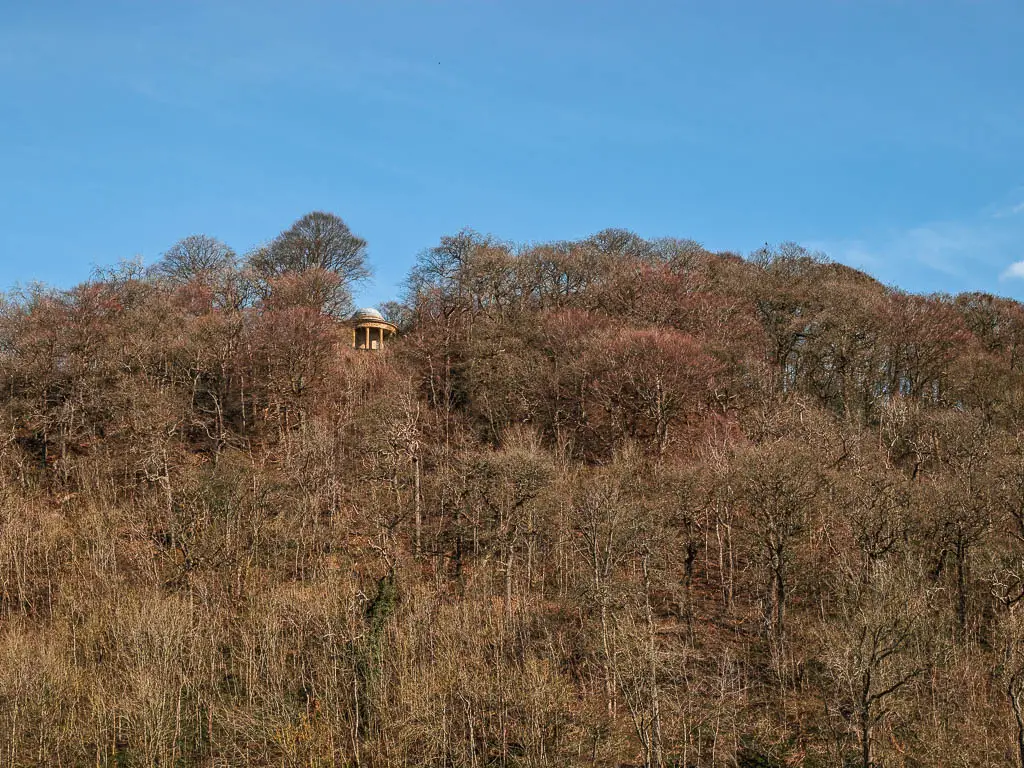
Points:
(611, 502)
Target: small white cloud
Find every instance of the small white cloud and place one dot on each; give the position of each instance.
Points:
(1013, 210)
(974, 252)
(1013, 272)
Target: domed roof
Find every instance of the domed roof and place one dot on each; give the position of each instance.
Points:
(368, 313)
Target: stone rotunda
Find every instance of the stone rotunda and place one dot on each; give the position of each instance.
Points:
(370, 329)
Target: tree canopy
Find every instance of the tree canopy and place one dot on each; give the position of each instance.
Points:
(608, 501)
(317, 240)
(196, 257)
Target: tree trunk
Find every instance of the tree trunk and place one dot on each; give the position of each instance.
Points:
(865, 720)
(652, 660)
(418, 507)
(961, 587)
(780, 603)
(609, 683)
(508, 581)
(1012, 694)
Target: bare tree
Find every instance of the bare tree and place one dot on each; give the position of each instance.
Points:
(195, 257)
(777, 483)
(1011, 674)
(318, 239)
(873, 651)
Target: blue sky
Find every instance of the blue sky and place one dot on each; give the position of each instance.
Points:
(888, 134)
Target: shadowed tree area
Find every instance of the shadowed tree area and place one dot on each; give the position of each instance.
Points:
(608, 502)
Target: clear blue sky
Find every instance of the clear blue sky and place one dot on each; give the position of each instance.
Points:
(889, 134)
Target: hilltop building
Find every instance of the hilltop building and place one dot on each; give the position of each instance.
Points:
(370, 329)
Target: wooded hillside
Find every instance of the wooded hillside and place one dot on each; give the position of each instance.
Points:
(608, 502)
